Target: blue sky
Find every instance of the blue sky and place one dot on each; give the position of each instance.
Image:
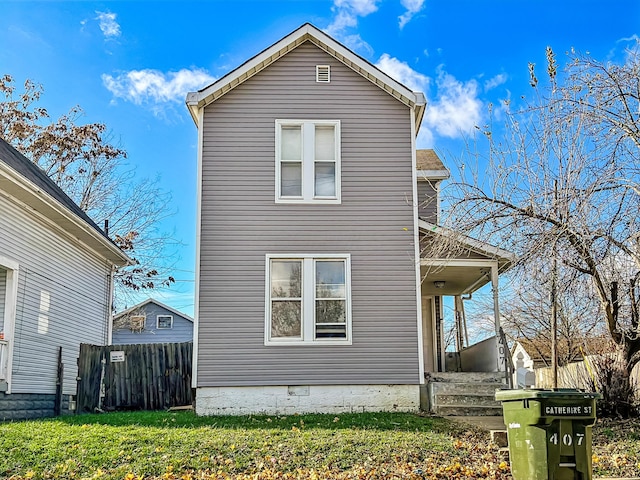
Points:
(129, 64)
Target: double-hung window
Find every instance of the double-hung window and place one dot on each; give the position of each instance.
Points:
(308, 299)
(307, 161)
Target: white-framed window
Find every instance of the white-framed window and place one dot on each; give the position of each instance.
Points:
(308, 299)
(307, 161)
(164, 321)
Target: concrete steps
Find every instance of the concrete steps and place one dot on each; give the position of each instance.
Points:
(465, 394)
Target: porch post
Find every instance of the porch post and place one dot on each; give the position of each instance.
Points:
(496, 316)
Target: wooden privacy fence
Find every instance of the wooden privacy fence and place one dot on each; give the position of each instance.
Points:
(577, 375)
(135, 377)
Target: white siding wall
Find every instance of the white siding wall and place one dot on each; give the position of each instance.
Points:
(241, 223)
(62, 300)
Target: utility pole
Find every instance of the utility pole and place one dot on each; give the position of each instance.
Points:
(554, 299)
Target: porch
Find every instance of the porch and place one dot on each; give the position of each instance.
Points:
(462, 370)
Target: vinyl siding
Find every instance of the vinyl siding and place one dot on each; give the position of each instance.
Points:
(76, 284)
(428, 201)
(241, 223)
(182, 330)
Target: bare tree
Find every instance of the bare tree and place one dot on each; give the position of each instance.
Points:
(526, 313)
(563, 182)
(84, 162)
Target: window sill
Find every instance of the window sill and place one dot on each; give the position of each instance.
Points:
(316, 201)
(300, 343)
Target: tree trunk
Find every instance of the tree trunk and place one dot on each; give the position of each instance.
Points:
(614, 375)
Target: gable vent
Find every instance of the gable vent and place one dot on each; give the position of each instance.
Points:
(323, 73)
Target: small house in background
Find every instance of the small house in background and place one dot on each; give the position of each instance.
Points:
(151, 322)
(56, 279)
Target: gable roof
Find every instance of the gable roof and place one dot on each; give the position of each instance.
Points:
(25, 181)
(156, 302)
(429, 165)
(306, 33)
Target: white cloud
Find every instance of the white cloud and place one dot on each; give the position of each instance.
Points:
(494, 82)
(456, 108)
(110, 28)
(413, 7)
(154, 87)
(625, 48)
(347, 14)
(403, 73)
(361, 8)
(341, 22)
(632, 39)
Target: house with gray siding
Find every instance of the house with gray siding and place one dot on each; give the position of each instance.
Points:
(151, 322)
(314, 212)
(56, 279)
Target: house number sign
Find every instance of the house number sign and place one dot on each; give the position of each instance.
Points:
(116, 356)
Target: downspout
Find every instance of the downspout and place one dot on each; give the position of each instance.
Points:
(110, 305)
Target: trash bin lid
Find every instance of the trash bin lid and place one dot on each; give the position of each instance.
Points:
(533, 393)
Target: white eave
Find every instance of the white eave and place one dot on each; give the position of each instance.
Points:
(198, 100)
(57, 215)
(432, 174)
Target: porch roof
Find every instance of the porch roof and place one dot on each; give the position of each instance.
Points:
(463, 263)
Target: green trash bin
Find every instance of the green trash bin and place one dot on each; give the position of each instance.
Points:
(549, 432)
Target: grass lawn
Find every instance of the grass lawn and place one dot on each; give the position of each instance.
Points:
(180, 445)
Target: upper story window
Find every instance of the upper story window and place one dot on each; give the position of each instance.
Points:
(308, 299)
(165, 321)
(307, 161)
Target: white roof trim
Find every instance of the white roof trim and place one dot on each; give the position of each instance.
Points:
(502, 255)
(57, 207)
(307, 32)
(151, 300)
(433, 174)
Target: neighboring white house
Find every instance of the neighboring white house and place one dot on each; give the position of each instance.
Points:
(56, 282)
(151, 322)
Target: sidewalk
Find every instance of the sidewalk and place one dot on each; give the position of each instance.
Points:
(487, 422)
